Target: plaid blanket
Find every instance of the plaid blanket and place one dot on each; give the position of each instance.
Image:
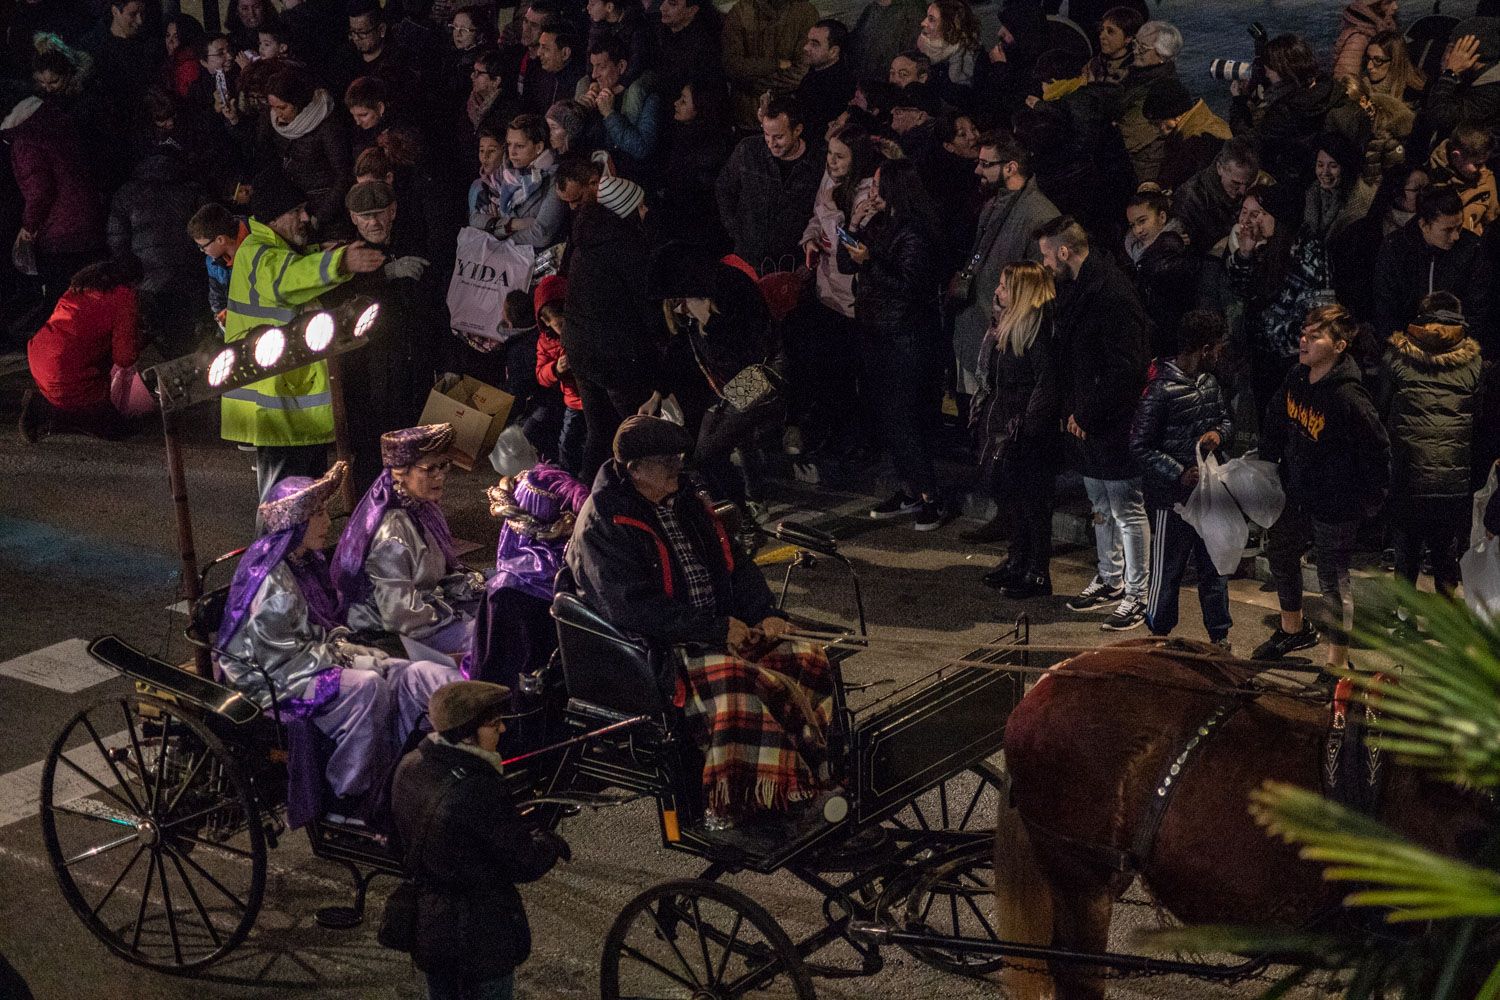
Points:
(762, 725)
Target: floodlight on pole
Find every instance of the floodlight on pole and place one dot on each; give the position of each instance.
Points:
(319, 331)
(270, 346)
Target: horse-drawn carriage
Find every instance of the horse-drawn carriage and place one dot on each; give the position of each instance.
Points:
(158, 808)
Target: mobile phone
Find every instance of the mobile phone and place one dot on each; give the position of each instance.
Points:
(844, 237)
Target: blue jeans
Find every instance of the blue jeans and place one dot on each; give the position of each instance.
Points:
(1173, 542)
(1120, 533)
(445, 986)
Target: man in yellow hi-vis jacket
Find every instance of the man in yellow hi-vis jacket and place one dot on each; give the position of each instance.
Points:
(288, 417)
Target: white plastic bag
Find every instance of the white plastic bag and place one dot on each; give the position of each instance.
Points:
(1480, 567)
(1212, 512)
(1256, 487)
(512, 454)
(1481, 500)
(485, 270)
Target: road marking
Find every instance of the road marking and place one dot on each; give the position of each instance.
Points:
(65, 666)
(21, 789)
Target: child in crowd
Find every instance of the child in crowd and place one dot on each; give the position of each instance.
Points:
(1323, 429)
(218, 234)
(1183, 410)
(552, 371)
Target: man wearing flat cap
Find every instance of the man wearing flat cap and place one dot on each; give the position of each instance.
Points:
(649, 555)
(287, 417)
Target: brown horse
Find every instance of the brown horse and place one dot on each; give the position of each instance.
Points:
(1089, 749)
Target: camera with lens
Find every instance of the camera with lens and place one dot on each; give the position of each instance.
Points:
(1243, 70)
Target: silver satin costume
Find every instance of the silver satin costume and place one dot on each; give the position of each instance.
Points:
(278, 636)
(411, 591)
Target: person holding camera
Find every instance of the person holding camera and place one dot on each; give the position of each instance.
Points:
(466, 848)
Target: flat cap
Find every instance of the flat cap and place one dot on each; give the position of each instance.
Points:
(641, 436)
(457, 709)
(369, 196)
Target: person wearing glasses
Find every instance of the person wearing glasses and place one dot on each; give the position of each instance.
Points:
(395, 567)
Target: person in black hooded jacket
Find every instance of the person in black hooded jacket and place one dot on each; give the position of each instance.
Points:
(1324, 431)
(1432, 253)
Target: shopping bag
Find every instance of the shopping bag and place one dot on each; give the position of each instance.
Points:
(128, 392)
(1481, 501)
(1256, 487)
(485, 270)
(1480, 569)
(512, 454)
(1213, 514)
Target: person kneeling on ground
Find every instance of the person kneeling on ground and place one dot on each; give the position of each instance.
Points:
(466, 847)
(650, 556)
(282, 619)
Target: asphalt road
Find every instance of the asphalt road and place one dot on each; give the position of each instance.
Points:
(87, 547)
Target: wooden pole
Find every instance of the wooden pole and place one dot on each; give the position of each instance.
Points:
(341, 428)
(192, 586)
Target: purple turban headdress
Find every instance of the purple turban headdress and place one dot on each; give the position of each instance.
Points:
(401, 449)
(538, 510)
(289, 505)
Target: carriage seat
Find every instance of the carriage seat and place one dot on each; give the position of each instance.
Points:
(606, 667)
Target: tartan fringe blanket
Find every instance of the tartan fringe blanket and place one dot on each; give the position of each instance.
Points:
(762, 725)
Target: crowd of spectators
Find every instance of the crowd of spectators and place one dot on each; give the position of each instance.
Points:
(902, 217)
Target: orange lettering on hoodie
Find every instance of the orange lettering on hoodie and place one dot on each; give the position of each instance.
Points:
(1310, 420)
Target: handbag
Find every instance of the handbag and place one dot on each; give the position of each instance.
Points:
(781, 285)
(398, 924)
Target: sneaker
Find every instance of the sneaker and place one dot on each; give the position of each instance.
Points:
(1223, 647)
(899, 505)
(930, 516)
(1128, 614)
(1281, 643)
(1095, 595)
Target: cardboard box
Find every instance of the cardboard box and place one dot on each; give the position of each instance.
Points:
(477, 412)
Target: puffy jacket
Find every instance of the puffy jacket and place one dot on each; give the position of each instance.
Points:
(149, 218)
(757, 36)
(634, 129)
(1292, 121)
(1166, 278)
(1408, 267)
(548, 350)
(896, 290)
(270, 282)
(763, 209)
(1359, 23)
(1176, 410)
(621, 564)
(87, 334)
(60, 202)
(1481, 204)
(1015, 413)
(611, 330)
(1273, 316)
(466, 847)
(1428, 393)
(1331, 445)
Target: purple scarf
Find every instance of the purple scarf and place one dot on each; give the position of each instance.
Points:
(349, 575)
(530, 564)
(310, 572)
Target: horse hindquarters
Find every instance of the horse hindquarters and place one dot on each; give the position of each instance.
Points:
(1023, 905)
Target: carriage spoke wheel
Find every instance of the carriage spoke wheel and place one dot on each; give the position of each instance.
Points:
(952, 894)
(697, 940)
(139, 803)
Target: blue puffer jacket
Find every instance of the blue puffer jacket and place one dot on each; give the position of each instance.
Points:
(1175, 412)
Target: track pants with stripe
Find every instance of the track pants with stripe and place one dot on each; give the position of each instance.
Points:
(1173, 542)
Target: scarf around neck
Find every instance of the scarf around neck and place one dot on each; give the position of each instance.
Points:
(517, 185)
(308, 118)
(960, 63)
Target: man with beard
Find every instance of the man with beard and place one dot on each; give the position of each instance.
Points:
(1014, 209)
(288, 418)
(390, 378)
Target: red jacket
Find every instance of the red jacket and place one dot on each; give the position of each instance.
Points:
(62, 207)
(548, 350)
(72, 354)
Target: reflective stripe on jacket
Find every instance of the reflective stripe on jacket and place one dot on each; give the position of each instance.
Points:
(269, 284)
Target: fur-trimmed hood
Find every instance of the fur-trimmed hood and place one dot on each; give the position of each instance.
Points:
(1435, 345)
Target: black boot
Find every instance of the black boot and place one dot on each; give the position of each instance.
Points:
(1007, 574)
(1030, 585)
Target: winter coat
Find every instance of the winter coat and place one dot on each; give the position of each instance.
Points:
(1016, 410)
(1352, 255)
(1273, 316)
(540, 89)
(1428, 392)
(763, 209)
(1103, 334)
(1206, 211)
(1166, 279)
(1481, 204)
(1192, 146)
(60, 201)
(757, 36)
(1408, 268)
(1387, 147)
(1325, 215)
(835, 289)
(1005, 234)
(1357, 25)
(545, 210)
(1176, 410)
(1451, 101)
(1080, 161)
(319, 164)
(824, 94)
(620, 563)
(881, 34)
(1143, 140)
(87, 334)
(896, 290)
(548, 350)
(1330, 443)
(611, 330)
(633, 131)
(149, 216)
(1293, 119)
(466, 847)
(690, 54)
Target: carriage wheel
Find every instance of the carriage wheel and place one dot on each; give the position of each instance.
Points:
(138, 802)
(697, 940)
(952, 894)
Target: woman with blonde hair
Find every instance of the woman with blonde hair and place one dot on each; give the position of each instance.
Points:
(1015, 417)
